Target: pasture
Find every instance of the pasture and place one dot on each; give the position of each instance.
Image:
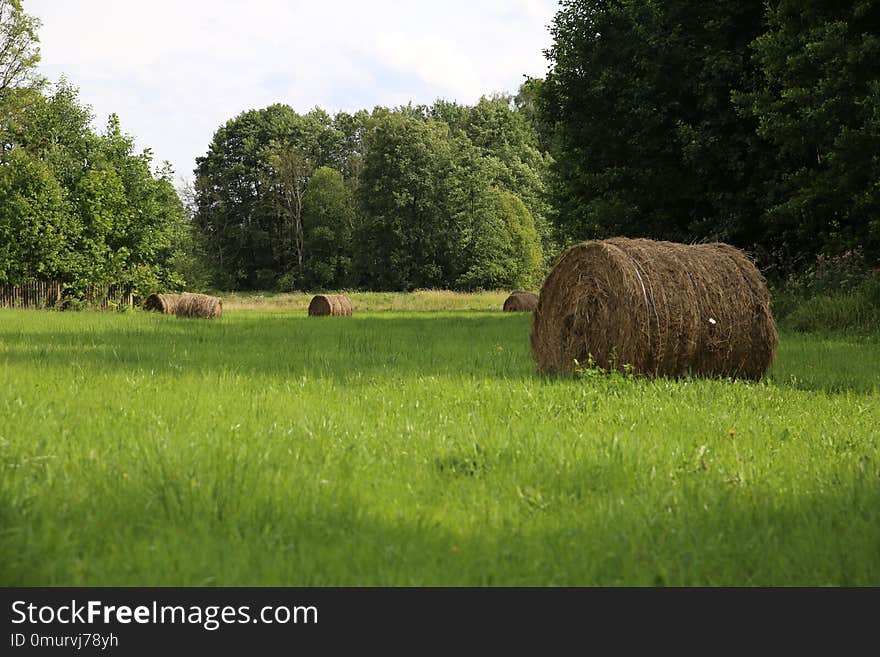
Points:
(400, 447)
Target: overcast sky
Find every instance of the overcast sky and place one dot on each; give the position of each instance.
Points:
(175, 70)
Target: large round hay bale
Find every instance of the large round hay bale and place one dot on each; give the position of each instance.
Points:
(323, 305)
(520, 301)
(199, 305)
(162, 303)
(657, 308)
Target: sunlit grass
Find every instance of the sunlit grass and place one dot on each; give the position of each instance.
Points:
(413, 448)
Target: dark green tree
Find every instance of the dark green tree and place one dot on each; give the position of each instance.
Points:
(250, 189)
(528, 101)
(290, 168)
(234, 211)
(328, 224)
(405, 237)
(19, 81)
(647, 139)
(818, 107)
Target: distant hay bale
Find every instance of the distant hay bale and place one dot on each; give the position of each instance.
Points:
(660, 308)
(162, 303)
(199, 305)
(345, 304)
(323, 305)
(520, 301)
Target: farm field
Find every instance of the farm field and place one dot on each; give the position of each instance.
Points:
(411, 448)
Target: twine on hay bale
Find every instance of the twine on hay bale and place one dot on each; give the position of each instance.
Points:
(199, 305)
(162, 303)
(661, 308)
(520, 301)
(323, 305)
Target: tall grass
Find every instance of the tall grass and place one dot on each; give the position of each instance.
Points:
(399, 448)
(850, 306)
(857, 311)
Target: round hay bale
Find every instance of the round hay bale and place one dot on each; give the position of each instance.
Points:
(657, 308)
(162, 303)
(345, 305)
(323, 305)
(520, 301)
(199, 305)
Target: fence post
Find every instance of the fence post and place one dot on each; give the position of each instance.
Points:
(47, 294)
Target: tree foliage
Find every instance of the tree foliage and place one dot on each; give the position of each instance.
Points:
(647, 139)
(394, 199)
(505, 248)
(35, 238)
(82, 207)
(749, 122)
(818, 109)
(328, 226)
(406, 239)
(250, 189)
(19, 49)
(752, 122)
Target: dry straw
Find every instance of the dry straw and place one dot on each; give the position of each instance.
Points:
(659, 308)
(520, 301)
(330, 304)
(162, 303)
(199, 305)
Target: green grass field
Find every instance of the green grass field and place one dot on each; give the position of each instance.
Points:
(420, 448)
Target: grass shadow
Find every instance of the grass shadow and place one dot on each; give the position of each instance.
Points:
(712, 539)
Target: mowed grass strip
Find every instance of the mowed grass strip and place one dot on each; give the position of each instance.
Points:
(270, 448)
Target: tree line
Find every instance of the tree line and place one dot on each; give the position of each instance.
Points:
(750, 122)
(446, 195)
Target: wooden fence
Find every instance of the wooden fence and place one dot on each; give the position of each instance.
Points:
(50, 294)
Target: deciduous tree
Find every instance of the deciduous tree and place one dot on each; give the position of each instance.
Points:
(19, 47)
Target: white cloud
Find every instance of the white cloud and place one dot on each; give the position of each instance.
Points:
(175, 70)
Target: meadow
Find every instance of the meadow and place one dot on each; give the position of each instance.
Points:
(401, 447)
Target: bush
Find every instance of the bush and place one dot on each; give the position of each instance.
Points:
(849, 312)
(72, 304)
(854, 311)
(831, 274)
(286, 282)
